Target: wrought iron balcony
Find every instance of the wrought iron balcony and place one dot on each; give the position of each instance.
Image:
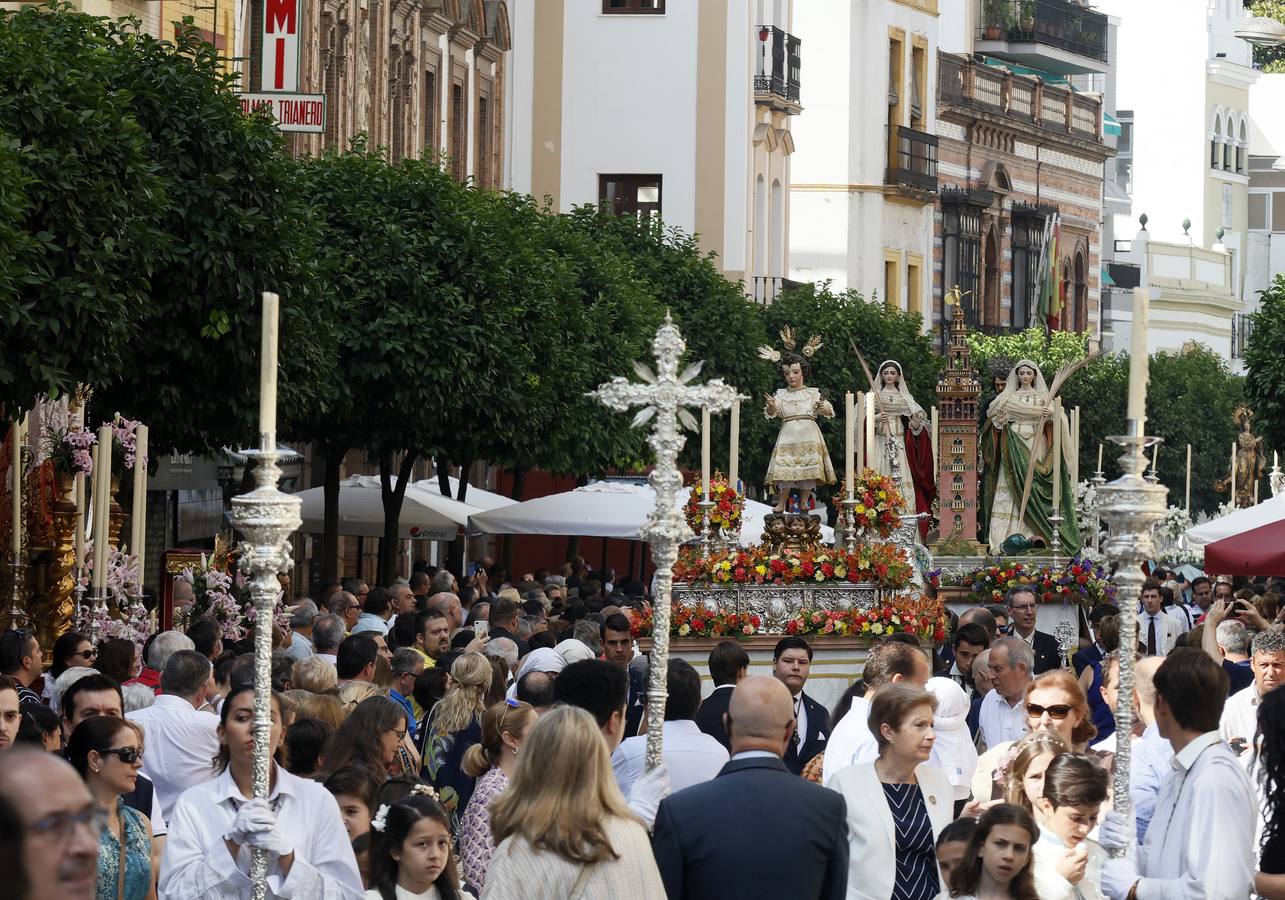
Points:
(1055, 35)
(779, 62)
(912, 158)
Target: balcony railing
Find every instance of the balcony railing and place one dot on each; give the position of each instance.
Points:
(967, 83)
(1054, 23)
(763, 289)
(1242, 329)
(912, 158)
(779, 64)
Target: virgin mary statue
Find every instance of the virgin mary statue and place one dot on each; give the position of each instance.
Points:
(1019, 424)
(903, 424)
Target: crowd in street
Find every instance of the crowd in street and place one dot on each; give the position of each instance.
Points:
(432, 739)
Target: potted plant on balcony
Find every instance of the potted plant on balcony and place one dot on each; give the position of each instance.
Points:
(996, 19)
(1026, 16)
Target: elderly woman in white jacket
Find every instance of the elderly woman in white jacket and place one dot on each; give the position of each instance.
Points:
(892, 843)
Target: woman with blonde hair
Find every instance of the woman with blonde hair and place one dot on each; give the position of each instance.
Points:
(492, 762)
(314, 674)
(454, 725)
(1024, 776)
(325, 707)
(354, 692)
(563, 828)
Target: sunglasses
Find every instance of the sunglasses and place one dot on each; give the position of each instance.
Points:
(127, 755)
(91, 653)
(1057, 711)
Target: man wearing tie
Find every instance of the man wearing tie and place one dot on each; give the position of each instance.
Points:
(1156, 629)
(791, 663)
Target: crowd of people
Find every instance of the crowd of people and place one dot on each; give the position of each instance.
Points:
(487, 740)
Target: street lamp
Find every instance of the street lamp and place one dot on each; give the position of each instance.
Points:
(1261, 31)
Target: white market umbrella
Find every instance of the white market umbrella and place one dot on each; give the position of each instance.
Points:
(426, 515)
(1268, 512)
(475, 497)
(606, 509)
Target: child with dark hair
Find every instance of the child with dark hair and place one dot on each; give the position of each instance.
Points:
(410, 852)
(952, 846)
(998, 861)
(1068, 866)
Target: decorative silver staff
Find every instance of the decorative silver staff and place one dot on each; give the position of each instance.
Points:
(1131, 506)
(266, 517)
(664, 396)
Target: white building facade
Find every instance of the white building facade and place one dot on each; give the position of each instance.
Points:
(1265, 251)
(865, 173)
(662, 107)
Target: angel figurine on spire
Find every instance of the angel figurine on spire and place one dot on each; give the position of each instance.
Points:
(800, 460)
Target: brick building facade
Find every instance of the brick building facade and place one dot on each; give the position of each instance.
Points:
(1015, 155)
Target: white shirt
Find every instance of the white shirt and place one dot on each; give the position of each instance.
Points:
(1050, 884)
(998, 722)
(801, 715)
(851, 743)
(691, 756)
(300, 647)
(1180, 615)
(197, 862)
(1240, 719)
(1199, 845)
(179, 746)
(331, 658)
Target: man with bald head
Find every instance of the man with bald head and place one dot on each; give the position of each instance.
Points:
(756, 830)
(60, 821)
(448, 604)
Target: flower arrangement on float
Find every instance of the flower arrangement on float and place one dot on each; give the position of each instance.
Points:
(885, 565)
(916, 614)
(726, 513)
(222, 593)
(879, 503)
(124, 616)
(1078, 580)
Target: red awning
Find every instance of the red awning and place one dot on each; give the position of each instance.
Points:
(1259, 551)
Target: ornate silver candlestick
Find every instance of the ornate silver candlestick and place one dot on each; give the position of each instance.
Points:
(1131, 506)
(664, 396)
(849, 514)
(706, 526)
(1056, 521)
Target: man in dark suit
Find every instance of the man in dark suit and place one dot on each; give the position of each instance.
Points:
(791, 663)
(1021, 610)
(503, 621)
(728, 666)
(1095, 652)
(756, 830)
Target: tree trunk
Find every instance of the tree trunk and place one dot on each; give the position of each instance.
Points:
(392, 495)
(330, 516)
(455, 558)
(443, 475)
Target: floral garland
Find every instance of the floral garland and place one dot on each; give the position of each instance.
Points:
(879, 502)
(887, 565)
(124, 616)
(724, 515)
(1076, 581)
(916, 614)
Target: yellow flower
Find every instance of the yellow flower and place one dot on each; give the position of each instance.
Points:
(726, 565)
(761, 569)
(877, 628)
(883, 495)
(684, 629)
(840, 572)
(861, 507)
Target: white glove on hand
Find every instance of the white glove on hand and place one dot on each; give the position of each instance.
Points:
(1116, 831)
(648, 792)
(1118, 876)
(268, 836)
(251, 817)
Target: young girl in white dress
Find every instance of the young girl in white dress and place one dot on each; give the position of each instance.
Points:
(998, 862)
(410, 853)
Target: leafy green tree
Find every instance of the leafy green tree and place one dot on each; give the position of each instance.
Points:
(233, 226)
(1265, 364)
(81, 197)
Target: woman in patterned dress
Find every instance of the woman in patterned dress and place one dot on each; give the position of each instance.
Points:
(108, 752)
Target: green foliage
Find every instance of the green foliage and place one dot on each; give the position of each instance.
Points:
(1051, 352)
(79, 199)
(234, 226)
(1265, 364)
(1269, 59)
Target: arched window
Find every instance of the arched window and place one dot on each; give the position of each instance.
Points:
(761, 226)
(777, 266)
(1242, 147)
(1215, 138)
(1081, 320)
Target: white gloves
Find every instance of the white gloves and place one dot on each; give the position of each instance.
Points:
(648, 792)
(1117, 832)
(256, 827)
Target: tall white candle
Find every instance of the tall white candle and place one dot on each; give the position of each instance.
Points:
(1155, 458)
(15, 485)
(1057, 455)
(268, 373)
(102, 505)
(860, 429)
(849, 424)
(138, 516)
(80, 520)
(734, 454)
(873, 461)
(1188, 504)
(1075, 446)
(705, 451)
(936, 425)
(1138, 360)
(1099, 457)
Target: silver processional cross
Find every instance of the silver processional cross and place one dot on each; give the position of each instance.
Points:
(664, 396)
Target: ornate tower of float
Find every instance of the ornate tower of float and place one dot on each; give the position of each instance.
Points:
(959, 393)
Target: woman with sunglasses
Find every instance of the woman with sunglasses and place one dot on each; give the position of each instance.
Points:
(1055, 702)
(108, 752)
(71, 649)
(492, 762)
